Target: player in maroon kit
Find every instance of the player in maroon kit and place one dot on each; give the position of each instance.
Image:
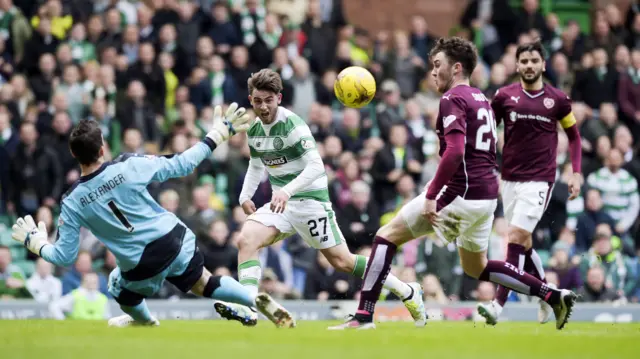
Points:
(462, 197)
(531, 111)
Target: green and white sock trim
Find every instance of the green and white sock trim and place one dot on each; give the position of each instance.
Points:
(360, 267)
(249, 273)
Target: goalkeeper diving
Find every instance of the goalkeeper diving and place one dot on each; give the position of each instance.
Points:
(150, 244)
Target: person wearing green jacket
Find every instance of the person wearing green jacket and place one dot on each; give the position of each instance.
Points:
(12, 279)
(618, 272)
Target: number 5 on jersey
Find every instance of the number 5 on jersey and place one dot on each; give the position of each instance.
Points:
(488, 126)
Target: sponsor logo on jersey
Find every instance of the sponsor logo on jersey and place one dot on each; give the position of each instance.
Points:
(448, 120)
(307, 144)
(258, 144)
(548, 103)
(520, 116)
(515, 99)
(447, 97)
(278, 143)
(276, 161)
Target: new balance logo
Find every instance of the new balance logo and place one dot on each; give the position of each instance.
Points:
(448, 120)
(515, 99)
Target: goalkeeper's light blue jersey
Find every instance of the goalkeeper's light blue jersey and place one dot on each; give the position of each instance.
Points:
(113, 202)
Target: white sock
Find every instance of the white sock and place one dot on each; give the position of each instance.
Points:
(398, 287)
(249, 275)
(395, 285)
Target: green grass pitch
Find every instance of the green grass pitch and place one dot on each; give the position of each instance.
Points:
(43, 339)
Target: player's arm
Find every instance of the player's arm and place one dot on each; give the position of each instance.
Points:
(570, 126)
(455, 131)
(497, 106)
(161, 168)
(64, 251)
(251, 179)
(313, 166)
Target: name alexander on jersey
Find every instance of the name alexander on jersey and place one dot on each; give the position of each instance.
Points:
(104, 188)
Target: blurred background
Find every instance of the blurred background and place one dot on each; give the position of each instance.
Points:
(150, 72)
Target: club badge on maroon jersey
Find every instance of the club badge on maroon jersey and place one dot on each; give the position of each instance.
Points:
(548, 103)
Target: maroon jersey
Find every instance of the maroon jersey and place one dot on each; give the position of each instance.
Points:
(530, 131)
(467, 110)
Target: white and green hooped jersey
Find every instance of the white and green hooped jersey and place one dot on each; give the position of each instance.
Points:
(280, 146)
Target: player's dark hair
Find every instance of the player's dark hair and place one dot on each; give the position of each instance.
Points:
(265, 80)
(85, 142)
(457, 49)
(535, 46)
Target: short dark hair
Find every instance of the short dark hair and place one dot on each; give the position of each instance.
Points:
(457, 49)
(265, 80)
(85, 142)
(535, 46)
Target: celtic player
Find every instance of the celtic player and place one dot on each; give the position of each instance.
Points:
(281, 142)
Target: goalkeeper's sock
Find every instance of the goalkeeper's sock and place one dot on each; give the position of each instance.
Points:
(140, 313)
(227, 289)
(250, 273)
(401, 289)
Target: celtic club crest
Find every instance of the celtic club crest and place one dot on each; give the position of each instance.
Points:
(278, 143)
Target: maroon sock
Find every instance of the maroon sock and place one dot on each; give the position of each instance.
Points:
(508, 275)
(378, 268)
(533, 265)
(514, 253)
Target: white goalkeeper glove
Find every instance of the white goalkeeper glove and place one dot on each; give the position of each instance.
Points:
(32, 237)
(235, 120)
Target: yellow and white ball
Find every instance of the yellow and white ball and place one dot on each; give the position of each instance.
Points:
(355, 87)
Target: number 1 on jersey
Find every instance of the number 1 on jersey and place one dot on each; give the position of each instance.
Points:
(489, 126)
(120, 216)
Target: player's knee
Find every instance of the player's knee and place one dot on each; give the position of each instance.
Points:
(247, 242)
(519, 235)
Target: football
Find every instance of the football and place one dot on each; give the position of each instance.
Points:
(355, 87)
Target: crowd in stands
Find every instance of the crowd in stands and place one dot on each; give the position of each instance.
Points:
(150, 72)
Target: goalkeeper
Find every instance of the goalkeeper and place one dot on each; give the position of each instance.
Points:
(150, 244)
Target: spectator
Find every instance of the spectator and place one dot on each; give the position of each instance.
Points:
(223, 33)
(360, 218)
(83, 265)
(326, 283)
(36, 174)
(15, 28)
(12, 279)
(42, 285)
(137, 112)
(84, 303)
(218, 251)
(598, 84)
(595, 288)
(440, 259)
(593, 215)
(150, 74)
(564, 267)
(619, 277)
(392, 162)
(620, 189)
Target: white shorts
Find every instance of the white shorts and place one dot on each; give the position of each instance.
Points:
(314, 221)
(467, 222)
(525, 202)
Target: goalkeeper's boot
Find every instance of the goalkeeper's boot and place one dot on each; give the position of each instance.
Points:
(274, 311)
(545, 310)
(127, 321)
(490, 311)
(233, 311)
(358, 322)
(415, 305)
(564, 307)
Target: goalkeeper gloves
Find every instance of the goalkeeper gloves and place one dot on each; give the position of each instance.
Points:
(31, 236)
(235, 120)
